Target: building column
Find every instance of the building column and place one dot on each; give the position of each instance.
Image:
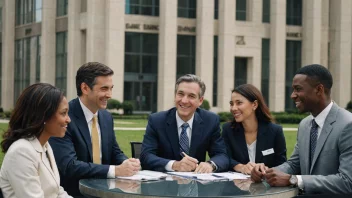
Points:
(115, 44)
(48, 43)
(226, 51)
(277, 55)
(324, 49)
(205, 45)
(340, 50)
(167, 54)
(96, 23)
(8, 54)
(312, 28)
(75, 52)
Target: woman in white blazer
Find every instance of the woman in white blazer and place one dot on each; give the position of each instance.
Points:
(29, 168)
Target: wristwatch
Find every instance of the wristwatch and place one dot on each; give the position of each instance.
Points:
(293, 180)
(212, 165)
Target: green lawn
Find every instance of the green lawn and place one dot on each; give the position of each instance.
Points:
(124, 137)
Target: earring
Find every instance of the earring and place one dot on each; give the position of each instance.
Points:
(44, 122)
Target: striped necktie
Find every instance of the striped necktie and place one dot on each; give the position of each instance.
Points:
(313, 140)
(95, 141)
(184, 141)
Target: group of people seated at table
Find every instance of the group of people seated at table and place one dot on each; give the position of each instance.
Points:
(51, 144)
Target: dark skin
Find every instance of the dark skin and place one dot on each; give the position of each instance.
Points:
(309, 95)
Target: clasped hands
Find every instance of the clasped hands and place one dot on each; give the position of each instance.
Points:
(189, 164)
(272, 176)
(128, 167)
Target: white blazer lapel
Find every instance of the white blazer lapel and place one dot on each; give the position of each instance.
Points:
(53, 164)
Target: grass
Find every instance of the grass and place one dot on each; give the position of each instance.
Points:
(124, 137)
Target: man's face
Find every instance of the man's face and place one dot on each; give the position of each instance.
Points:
(97, 98)
(187, 99)
(305, 94)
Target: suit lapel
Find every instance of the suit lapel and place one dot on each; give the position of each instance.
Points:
(172, 133)
(326, 130)
(82, 125)
(53, 165)
(241, 140)
(261, 139)
(305, 145)
(104, 137)
(197, 133)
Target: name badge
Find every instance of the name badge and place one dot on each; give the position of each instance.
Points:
(268, 152)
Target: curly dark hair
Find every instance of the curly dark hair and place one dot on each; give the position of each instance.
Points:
(36, 105)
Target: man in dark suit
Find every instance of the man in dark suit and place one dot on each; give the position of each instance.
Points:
(178, 139)
(321, 161)
(89, 148)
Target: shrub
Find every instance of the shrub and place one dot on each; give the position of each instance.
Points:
(349, 105)
(205, 105)
(127, 107)
(114, 104)
(225, 116)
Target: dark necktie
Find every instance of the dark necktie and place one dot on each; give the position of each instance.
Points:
(313, 140)
(184, 141)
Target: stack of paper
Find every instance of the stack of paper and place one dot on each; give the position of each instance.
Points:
(202, 177)
(232, 175)
(146, 175)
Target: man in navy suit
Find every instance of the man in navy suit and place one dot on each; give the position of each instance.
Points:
(178, 139)
(89, 148)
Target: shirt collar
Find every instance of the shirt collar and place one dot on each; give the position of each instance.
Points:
(320, 119)
(87, 113)
(180, 121)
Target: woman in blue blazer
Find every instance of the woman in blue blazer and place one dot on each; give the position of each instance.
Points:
(252, 137)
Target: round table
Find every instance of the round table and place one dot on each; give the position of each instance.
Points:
(181, 187)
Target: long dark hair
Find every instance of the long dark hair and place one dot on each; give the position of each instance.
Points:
(36, 105)
(251, 93)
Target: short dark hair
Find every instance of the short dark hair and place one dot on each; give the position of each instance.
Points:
(88, 72)
(191, 78)
(251, 93)
(36, 105)
(318, 73)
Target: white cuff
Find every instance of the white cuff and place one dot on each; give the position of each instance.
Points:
(300, 182)
(168, 166)
(111, 173)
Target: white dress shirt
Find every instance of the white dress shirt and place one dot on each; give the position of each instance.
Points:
(89, 118)
(251, 151)
(320, 119)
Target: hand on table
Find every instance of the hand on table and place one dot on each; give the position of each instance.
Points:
(187, 164)
(258, 172)
(128, 167)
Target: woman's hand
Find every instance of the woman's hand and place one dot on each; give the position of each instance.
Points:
(245, 168)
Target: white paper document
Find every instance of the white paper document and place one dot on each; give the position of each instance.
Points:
(146, 175)
(202, 177)
(232, 175)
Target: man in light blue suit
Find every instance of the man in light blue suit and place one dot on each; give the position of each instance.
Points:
(321, 162)
(178, 139)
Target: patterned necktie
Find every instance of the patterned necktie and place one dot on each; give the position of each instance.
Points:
(95, 141)
(184, 141)
(313, 140)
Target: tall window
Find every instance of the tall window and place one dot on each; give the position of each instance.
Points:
(141, 69)
(216, 9)
(266, 11)
(265, 69)
(240, 71)
(61, 8)
(293, 63)
(186, 55)
(294, 12)
(25, 63)
(28, 11)
(0, 69)
(37, 74)
(187, 9)
(61, 61)
(215, 73)
(142, 7)
(241, 10)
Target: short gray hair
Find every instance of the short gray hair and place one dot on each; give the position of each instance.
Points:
(191, 78)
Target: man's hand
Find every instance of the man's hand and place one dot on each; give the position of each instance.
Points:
(277, 178)
(128, 167)
(204, 167)
(245, 168)
(258, 172)
(187, 164)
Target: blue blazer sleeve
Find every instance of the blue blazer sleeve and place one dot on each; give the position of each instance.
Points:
(226, 129)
